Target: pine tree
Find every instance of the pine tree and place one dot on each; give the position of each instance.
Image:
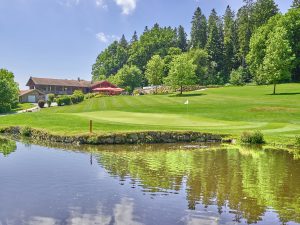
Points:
(214, 44)
(123, 42)
(182, 39)
(146, 29)
(244, 25)
(229, 41)
(263, 10)
(199, 30)
(296, 4)
(134, 37)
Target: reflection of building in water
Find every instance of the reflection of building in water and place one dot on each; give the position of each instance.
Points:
(246, 181)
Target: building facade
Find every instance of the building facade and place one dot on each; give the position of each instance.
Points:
(67, 87)
(31, 96)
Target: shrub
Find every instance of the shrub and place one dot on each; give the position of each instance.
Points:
(67, 100)
(49, 103)
(51, 97)
(77, 97)
(237, 76)
(252, 138)
(26, 131)
(41, 103)
(64, 100)
(59, 101)
(5, 107)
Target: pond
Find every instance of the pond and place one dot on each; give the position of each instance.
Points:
(147, 184)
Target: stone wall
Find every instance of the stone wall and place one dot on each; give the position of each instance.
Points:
(116, 138)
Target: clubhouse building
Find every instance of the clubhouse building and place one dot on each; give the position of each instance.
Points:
(39, 88)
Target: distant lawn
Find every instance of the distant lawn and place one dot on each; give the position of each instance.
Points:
(23, 106)
(227, 110)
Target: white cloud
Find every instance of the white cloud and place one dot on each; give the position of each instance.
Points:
(128, 6)
(101, 4)
(69, 3)
(105, 38)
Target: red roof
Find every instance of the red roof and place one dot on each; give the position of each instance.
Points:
(108, 89)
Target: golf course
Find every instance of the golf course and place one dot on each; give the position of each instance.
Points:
(224, 110)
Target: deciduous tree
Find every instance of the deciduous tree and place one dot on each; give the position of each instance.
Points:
(155, 70)
(9, 91)
(129, 77)
(277, 65)
(182, 72)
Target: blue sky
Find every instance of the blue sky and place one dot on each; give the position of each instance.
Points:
(62, 38)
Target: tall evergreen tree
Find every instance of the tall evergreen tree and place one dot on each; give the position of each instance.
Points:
(199, 30)
(263, 10)
(296, 4)
(244, 29)
(123, 42)
(134, 37)
(146, 29)
(229, 42)
(182, 39)
(214, 44)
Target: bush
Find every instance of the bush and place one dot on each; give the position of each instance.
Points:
(64, 100)
(5, 107)
(59, 101)
(77, 97)
(51, 97)
(26, 131)
(49, 103)
(252, 138)
(41, 103)
(90, 95)
(237, 77)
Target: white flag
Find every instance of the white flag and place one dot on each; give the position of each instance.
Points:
(186, 102)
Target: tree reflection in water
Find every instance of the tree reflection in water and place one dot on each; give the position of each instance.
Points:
(247, 182)
(7, 146)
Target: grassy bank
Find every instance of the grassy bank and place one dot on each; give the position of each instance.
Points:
(228, 110)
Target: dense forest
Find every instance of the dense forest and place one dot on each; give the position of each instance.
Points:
(257, 44)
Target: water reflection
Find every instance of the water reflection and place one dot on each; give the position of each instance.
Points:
(147, 184)
(248, 181)
(7, 146)
(122, 215)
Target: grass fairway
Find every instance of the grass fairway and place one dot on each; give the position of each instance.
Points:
(228, 110)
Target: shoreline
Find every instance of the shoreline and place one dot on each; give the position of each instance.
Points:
(143, 137)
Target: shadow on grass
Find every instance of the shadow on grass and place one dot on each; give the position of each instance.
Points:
(295, 93)
(187, 95)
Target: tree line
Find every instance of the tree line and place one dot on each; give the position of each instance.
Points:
(256, 44)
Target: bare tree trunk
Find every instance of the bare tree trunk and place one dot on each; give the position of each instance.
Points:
(181, 88)
(274, 89)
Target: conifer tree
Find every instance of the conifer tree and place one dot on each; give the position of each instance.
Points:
(199, 30)
(134, 37)
(229, 41)
(214, 44)
(263, 10)
(296, 4)
(182, 39)
(123, 42)
(244, 24)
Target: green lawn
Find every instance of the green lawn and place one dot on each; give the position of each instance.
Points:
(23, 106)
(228, 110)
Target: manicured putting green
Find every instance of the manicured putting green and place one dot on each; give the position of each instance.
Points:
(227, 110)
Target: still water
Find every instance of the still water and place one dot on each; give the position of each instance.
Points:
(152, 184)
